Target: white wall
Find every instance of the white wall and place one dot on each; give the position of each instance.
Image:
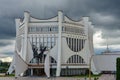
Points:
(106, 62)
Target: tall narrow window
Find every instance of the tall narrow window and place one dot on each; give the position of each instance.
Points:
(45, 41)
(76, 59)
(49, 42)
(82, 43)
(69, 43)
(75, 44)
(53, 42)
(72, 44)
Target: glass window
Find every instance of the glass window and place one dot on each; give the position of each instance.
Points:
(34, 39)
(45, 41)
(63, 28)
(69, 42)
(33, 29)
(80, 44)
(49, 42)
(72, 44)
(76, 59)
(37, 29)
(29, 29)
(41, 29)
(53, 41)
(41, 41)
(75, 45)
(56, 29)
(50, 29)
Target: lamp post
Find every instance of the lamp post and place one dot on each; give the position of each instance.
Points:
(90, 60)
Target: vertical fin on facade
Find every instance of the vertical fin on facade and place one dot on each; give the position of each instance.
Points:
(26, 21)
(47, 64)
(60, 20)
(19, 70)
(12, 66)
(17, 22)
(30, 52)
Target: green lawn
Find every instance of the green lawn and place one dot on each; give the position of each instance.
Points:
(11, 75)
(93, 76)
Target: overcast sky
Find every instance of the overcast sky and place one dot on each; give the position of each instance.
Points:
(104, 14)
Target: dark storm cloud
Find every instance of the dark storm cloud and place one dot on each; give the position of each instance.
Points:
(105, 14)
(8, 53)
(9, 10)
(105, 6)
(5, 43)
(7, 28)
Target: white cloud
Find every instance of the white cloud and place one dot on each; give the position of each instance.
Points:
(8, 48)
(97, 39)
(6, 59)
(100, 43)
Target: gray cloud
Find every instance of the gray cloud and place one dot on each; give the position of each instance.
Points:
(7, 28)
(8, 53)
(5, 42)
(103, 13)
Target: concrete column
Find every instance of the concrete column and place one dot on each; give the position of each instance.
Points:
(17, 22)
(60, 20)
(31, 72)
(85, 22)
(26, 20)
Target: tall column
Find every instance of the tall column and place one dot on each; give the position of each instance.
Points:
(17, 22)
(31, 71)
(60, 20)
(26, 20)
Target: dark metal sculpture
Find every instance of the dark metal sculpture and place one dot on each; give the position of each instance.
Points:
(38, 55)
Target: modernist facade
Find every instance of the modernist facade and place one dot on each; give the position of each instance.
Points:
(70, 45)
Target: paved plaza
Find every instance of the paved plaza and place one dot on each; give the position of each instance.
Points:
(103, 77)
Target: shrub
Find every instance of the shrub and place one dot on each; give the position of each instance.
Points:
(118, 69)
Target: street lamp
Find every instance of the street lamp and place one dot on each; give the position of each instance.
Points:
(90, 60)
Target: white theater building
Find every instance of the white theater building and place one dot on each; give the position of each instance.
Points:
(70, 45)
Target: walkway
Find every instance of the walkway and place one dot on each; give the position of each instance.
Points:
(103, 77)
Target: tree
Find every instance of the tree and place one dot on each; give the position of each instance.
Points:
(118, 69)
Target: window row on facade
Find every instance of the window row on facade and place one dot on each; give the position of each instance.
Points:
(67, 29)
(76, 59)
(73, 71)
(43, 29)
(42, 60)
(74, 30)
(48, 42)
(75, 44)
